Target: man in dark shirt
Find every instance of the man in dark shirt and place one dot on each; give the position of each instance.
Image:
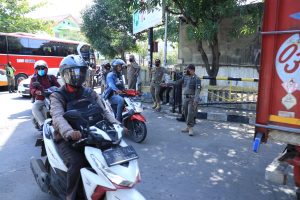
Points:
(38, 83)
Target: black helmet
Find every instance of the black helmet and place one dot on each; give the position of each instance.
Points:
(73, 70)
(117, 62)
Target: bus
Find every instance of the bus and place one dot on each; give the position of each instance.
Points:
(24, 49)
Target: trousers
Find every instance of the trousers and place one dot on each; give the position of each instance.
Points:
(37, 111)
(189, 111)
(154, 89)
(74, 160)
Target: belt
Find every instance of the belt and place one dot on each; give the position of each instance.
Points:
(189, 95)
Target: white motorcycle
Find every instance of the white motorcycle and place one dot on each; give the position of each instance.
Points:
(113, 170)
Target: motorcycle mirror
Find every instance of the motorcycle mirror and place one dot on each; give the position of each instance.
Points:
(72, 114)
(75, 116)
(36, 84)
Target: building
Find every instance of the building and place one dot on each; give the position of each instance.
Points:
(66, 27)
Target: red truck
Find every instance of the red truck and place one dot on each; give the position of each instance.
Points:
(278, 106)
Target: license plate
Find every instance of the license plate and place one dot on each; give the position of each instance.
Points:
(119, 155)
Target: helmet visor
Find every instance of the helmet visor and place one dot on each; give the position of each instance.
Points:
(75, 76)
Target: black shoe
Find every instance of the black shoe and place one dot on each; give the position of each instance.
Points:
(181, 119)
(41, 128)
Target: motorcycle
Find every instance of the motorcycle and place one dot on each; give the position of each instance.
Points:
(132, 118)
(113, 170)
(46, 107)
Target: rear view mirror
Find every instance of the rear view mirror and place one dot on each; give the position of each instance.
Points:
(72, 115)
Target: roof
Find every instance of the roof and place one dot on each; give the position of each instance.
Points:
(59, 18)
(43, 37)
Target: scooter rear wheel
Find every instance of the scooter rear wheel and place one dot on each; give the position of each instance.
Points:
(138, 131)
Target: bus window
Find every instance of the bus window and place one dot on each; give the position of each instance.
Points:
(36, 46)
(18, 45)
(3, 47)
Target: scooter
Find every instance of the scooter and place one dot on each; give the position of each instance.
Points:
(132, 118)
(46, 108)
(113, 170)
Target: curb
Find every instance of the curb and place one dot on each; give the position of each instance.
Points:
(226, 117)
(216, 116)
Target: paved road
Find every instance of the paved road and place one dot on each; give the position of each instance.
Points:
(215, 164)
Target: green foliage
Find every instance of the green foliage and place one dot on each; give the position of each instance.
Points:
(107, 24)
(173, 30)
(13, 17)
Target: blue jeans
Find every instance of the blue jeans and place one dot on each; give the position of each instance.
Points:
(119, 101)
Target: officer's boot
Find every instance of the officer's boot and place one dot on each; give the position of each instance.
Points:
(185, 130)
(191, 132)
(181, 119)
(154, 105)
(158, 107)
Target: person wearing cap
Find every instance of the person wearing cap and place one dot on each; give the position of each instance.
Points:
(191, 97)
(133, 71)
(156, 78)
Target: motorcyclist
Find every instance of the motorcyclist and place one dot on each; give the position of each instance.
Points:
(71, 96)
(38, 83)
(114, 87)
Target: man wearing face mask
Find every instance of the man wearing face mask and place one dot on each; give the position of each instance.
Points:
(191, 97)
(156, 77)
(133, 72)
(38, 83)
(114, 87)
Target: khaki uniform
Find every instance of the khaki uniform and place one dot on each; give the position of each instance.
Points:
(133, 70)
(191, 92)
(156, 78)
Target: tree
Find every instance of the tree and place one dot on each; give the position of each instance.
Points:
(13, 17)
(107, 24)
(204, 18)
(173, 29)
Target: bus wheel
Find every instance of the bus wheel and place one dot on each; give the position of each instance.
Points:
(19, 78)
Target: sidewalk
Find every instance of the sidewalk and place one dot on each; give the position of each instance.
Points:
(214, 114)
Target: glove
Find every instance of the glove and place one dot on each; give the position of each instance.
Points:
(74, 135)
(38, 92)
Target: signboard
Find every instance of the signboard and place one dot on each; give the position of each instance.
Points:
(146, 19)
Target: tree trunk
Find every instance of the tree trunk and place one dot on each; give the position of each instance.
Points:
(213, 72)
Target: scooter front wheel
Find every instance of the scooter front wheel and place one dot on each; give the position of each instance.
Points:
(138, 131)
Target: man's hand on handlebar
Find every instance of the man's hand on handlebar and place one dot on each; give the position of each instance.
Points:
(119, 92)
(74, 135)
(38, 92)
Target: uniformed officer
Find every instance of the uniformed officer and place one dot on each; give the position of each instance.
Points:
(156, 77)
(133, 71)
(191, 97)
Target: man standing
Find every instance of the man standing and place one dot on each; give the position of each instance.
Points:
(10, 73)
(191, 97)
(156, 77)
(133, 72)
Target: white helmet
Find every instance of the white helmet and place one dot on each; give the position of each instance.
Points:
(40, 63)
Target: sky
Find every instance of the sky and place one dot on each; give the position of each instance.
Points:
(59, 7)
(64, 7)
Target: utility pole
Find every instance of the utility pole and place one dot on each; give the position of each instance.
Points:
(165, 37)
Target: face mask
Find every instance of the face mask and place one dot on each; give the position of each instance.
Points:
(157, 64)
(131, 60)
(41, 72)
